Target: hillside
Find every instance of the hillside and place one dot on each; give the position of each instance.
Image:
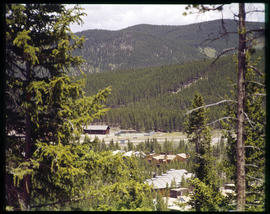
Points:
(145, 45)
(158, 97)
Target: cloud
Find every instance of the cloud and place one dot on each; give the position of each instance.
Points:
(116, 17)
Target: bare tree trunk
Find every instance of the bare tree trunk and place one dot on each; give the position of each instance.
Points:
(26, 183)
(27, 178)
(240, 110)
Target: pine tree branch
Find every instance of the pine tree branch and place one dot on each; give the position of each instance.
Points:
(254, 147)
(23, 72)
(252, 165)
(14, 100)
(255, 11)
(255, 69)
(249, 121)
(258, 179)
(260, 94)
(219, 8)
(222, 53)
(216, 38)
(209, 105)
(223, 118)
(257, 83)
(256, 30)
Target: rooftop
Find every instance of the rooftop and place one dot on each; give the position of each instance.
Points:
(182, 155)
(96, 127)
(164, 180)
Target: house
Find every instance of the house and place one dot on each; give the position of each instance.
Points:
(97, 129)
(158, 159)
(182, 157)
(166, 158)
(228, 189)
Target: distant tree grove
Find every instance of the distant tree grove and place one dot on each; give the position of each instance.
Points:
(156, 98)
(47, 167)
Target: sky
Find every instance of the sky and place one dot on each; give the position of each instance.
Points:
(117, 17)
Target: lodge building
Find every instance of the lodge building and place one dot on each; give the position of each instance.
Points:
(97, 129)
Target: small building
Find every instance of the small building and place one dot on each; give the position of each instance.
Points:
(175, 193)
(126, 132)
(96, 129)
(228, 189)
(182, 157)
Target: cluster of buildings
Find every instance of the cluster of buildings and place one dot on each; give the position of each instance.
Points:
(169, 184)
(166, 158)
(105, 130)
(122, 136)
(174, 194)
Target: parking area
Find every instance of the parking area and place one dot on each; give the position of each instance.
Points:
(137, 137)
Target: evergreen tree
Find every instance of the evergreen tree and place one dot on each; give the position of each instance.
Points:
(244, 43)
(255, 123)
(130, 146)
(168, 146)
(45, 107)
(111, 145)
(160, 203)
(205, 198)
(254, 135)
(199, 134)
(117, 147)
(103, 146)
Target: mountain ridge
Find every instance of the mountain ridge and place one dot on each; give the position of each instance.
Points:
(147, 45)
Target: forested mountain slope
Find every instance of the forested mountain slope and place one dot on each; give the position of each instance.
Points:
(158, 97)
(145, 45)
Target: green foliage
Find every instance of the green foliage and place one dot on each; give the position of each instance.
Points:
(161, 205)
(147, 99)
(254, 135)
(93, 180)
(199, 134)
(47, 168)
(204, 198)
(168, 147)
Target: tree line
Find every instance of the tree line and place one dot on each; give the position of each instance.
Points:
(46, 167)
(147, 99)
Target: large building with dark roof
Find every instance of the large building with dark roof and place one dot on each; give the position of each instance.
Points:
(97, 129)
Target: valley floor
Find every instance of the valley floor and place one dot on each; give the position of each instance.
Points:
(138, 137)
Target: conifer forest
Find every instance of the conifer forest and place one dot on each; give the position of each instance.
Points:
(147, 118)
